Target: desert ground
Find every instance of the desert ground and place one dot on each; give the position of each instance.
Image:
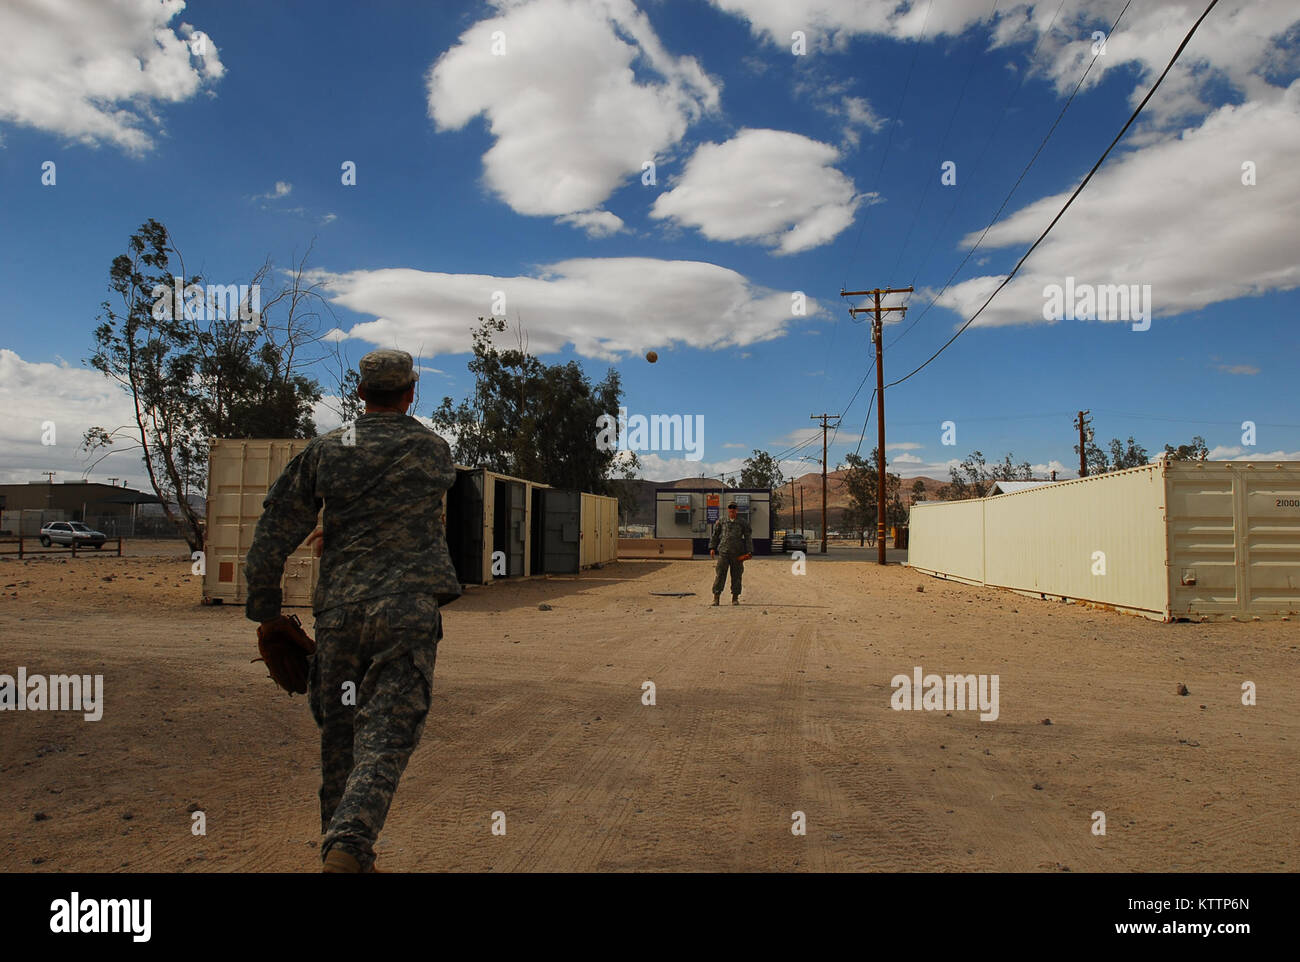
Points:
(781, 705)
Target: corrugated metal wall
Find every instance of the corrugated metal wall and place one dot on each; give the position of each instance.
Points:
(1234, 538)
(947, 537)
(1047, 540)
(1177, 539)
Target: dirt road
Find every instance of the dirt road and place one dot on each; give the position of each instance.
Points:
(779, 706)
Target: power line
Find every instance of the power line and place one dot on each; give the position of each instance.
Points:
(1078, 190)
(785, 455)
(889, 141)
(865, 421)
(993, 132)
(1153, 417)
(1016, 186)
(928, 173)
(854, 398)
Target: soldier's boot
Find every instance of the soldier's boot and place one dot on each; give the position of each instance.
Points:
(735, 599)
(337, 860)
(716, 596)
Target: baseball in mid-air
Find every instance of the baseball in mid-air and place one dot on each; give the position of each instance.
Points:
(651, 356)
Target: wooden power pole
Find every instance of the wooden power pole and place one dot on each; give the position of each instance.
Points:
(877, 310)
(1083, 445)
(823, 418)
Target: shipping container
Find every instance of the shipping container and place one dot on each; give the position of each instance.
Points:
(599, 529)
(1171, 539)
(492, 523)
(240, 472)
(572, 530)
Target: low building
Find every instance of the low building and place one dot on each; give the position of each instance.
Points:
(25, 507)
(691, 512)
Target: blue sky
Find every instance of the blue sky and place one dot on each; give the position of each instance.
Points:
(500, 147)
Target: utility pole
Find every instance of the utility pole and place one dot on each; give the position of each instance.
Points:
(792, 504)
(1083, 447)
(880, 399)
(801, 514)
(823, 418)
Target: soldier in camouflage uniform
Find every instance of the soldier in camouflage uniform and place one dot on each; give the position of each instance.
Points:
(384, 572)
(732, 544)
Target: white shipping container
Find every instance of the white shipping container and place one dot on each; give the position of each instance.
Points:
(1173, 539)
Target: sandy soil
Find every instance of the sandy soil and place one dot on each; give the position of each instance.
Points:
(779, 706)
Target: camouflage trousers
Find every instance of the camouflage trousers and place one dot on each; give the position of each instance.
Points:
(370, 690)
(737, 569)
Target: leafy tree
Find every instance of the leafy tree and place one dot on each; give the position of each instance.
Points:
(534, 420)
(1094, 457)
(192, 378)
(973, 477)
(918, 490)
(761, 470)
(1132, 456)
(861, 478)
(1195, 451)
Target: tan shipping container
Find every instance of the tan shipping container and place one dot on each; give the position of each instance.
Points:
(599, 529)
(240, 472)
(491, 536)
(1172, 539)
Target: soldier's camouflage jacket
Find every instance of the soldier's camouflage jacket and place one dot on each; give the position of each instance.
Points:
(731, 538)
(383, 517)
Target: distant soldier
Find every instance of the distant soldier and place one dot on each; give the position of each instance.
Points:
(732, 544)
(384, 572)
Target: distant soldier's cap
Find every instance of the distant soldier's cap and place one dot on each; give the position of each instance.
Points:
(387, 370)
(732, 505)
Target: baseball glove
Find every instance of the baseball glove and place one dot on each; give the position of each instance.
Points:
(284, 647)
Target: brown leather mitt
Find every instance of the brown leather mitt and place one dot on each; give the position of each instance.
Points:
(284, 647)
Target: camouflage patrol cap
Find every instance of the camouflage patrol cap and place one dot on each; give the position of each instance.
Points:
(387, 370)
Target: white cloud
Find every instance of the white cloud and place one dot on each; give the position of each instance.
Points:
(732, 444)
(94, 72)
(1248, 369)
(570, 117)
(1134, 223)
(1225, 452)
(904, 446)
(74, 399)
(597, 223)
(282, 188)
(1236, 453)
(604, 307)
(796, 437)
(1238, 44)
(768, 186)
(329, 219)
(655, 467)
